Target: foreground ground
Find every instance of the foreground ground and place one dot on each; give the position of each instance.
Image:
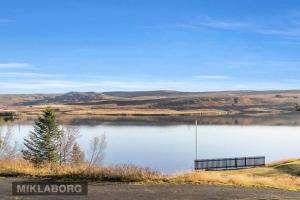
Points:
(274, 179)
(104, 191)
(281, 175)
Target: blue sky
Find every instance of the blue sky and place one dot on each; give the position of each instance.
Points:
(188, 45)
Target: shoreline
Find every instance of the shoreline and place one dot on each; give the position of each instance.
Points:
(291, 119)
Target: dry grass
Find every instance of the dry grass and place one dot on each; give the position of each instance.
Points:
(280, 162)
(123, 173)
(240, 178)
(280, 175)
(88, 110)
(78, 110)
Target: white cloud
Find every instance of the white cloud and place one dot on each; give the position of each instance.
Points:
(45, 86)
(28, 75)
(283, 26)
(208, 22)
(221, 24)
(14, 65)
(54, 86)
(255, 63)
(220, 77)
(280, 32)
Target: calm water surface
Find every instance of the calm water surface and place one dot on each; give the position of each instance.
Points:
(172, 148)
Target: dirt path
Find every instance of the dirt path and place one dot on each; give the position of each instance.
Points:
(105, 191)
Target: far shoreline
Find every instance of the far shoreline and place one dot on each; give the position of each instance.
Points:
(290, 119)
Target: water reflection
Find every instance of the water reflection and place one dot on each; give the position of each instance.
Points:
(292, 119)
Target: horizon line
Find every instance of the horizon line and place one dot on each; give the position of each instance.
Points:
(124, 91)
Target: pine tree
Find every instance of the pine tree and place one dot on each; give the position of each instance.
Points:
(43, 143)
(297, 107)
(77, 156)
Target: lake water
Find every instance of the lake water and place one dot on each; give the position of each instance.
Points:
(171, 149)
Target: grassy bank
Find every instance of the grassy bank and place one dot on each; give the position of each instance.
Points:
(122, 173)
(281, 175)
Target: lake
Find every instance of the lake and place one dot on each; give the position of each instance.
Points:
(171, 148)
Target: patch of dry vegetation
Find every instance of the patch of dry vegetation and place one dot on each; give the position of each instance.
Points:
(140, 112)
(281, 162)
(259, 178)
(283, 174)
(280, 175)
(122, 173)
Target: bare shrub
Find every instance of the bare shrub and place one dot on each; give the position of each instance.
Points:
(97, 147)
(68, 137)
(8, 148)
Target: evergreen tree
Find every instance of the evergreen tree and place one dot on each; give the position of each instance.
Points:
(43, 143)
(77, 156)
(297, 107)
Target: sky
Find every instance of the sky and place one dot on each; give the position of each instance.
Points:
(130, 45)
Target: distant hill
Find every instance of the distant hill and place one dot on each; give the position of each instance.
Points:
(77, 97)
(161, 93)
(68, 98)
(231, 101)
(113, 105)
